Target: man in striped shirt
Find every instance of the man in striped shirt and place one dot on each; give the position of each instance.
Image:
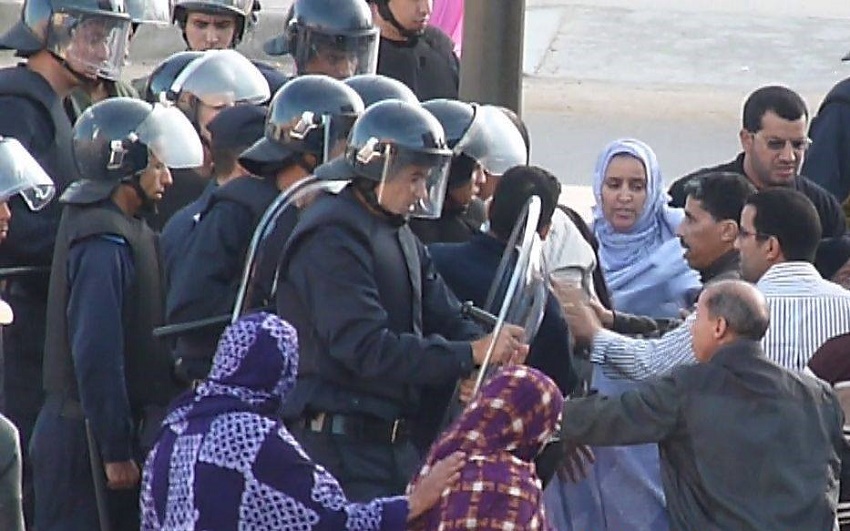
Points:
(778, 236)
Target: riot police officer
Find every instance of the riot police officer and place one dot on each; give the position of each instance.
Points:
(373, 88)
(375, 320)
(484, 143)
(220, 25)
(20, 175)
(64, 42)
(307, 119)
(104, 374)
(92, 91)
(420, 56)
(331, 37)
(201, 87)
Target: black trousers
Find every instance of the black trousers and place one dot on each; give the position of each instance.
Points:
(364, 470)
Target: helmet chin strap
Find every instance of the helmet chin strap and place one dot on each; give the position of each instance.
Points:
(387, 14)
(367, 190)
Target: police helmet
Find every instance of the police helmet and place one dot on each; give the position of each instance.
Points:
(389, 137)
(243, 10)
(156, 12)
(373, 88)
(456, 117)
(310, 114)
(163, 76)
(67, 28)
(21, 174)
(339, 33)
(114, 138)
(218, 78)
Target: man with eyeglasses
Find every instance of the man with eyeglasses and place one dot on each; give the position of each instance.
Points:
(774, 142)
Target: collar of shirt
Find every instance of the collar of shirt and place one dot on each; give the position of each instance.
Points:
(787, 276)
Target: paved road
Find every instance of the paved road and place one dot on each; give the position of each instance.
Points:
(671, 72)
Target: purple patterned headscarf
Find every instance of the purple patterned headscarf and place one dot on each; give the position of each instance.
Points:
(500, 432)
(243, 375)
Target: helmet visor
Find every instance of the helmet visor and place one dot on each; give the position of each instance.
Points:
(337, 56)
(170, 136)
(222, 77)
(337, 128)
(237, 7)
(92, 45)
(21, 174)
(149, 11)
(493, 141)
(414, 182)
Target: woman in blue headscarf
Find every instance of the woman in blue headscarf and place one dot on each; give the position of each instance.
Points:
(642, 261)
(223, 461)
(641, 257)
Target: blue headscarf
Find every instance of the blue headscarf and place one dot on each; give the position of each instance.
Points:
(631, 259)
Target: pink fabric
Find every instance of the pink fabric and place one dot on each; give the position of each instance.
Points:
(448, 16)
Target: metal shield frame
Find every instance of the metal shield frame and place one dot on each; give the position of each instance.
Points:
(523, 305)
(287, 199)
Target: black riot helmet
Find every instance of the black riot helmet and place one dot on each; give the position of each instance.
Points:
(310, 114)
(331, 37)
(89, 37)
(386, 141)
(243, 10)
(114, 138)
(456, 117)
(373, 88)
(163, 76)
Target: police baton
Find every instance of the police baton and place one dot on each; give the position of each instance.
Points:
(22, 271)
(98, 475)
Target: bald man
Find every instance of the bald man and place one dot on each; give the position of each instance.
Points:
(744, 443)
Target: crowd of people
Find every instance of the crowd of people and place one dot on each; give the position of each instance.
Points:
(235, 298)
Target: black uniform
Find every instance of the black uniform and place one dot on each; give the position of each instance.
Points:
(453, 226)
(31, 112)
(828, 160)
(102, 363)
(831, 216)
(188, 185)
(205, 278)
(368, 304)
(427, 64)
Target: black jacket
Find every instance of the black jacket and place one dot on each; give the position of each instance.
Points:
(828, 160)
(831, 216)
(427, 64)
(375, 320)
(744, 443)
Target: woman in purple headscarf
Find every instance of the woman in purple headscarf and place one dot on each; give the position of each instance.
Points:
(223, 461)
(501, 432)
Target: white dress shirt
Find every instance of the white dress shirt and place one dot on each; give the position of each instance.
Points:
(805, 312)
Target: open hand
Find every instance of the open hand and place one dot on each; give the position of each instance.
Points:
(428, 491)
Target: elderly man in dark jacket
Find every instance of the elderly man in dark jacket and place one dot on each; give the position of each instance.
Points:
(776, 462)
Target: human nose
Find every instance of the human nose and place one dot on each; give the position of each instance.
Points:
(167, 180)
(425, 7)
(420, 190)
(212, 34)
(5, 211)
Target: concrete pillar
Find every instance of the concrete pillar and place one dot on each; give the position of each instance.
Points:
(491, 67)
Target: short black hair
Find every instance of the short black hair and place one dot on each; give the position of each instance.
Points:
(786, 103)
(747, 318)
(792, 218)
(722, 194)
(515, 187)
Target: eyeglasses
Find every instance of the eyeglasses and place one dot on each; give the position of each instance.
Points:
(778, 144)
(744, 233)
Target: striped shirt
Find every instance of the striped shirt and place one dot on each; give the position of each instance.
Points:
(805, 311)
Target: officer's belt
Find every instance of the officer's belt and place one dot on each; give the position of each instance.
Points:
(362, 428)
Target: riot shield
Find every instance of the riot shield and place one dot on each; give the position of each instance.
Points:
(518, 291)
(295, 196)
